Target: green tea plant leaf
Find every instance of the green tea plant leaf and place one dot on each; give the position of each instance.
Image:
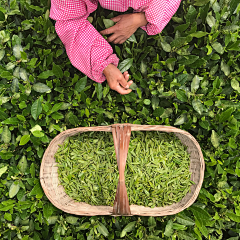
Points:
(46, 74)
(195, 84)
(235, 85)
(218, 47)
(225, 68)
(2, 54)
(180, 120)
(99, 91)
(211, 21)
(181, 95)
(108, 23)
(214, 139)
(6, 135)
(132, 39)
(2, 16)
(17, 49)
(155, 102)
(166, 47)
(169, 229)
(36, 108)
(233, 5)
(57, 71)
(15, 85)
(80, 85)
(125, 65)
(22, 164)
(41, 87)
(14, 189)
(102, 229)
(185, 221)
(72, 220)
(133, 86)
(24, 139)
(225, 115)
(3, 170)
(130, 226)
(197, 106)
(199, 34)
(151, 222)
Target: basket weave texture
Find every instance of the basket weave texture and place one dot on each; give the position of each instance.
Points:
(56, 194)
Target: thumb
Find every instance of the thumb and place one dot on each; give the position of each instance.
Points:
(117, 18)
(123, 82)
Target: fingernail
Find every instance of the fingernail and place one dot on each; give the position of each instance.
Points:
(127, 86)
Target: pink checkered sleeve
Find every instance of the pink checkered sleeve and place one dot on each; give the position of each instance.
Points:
(87, 50)
(158, 13)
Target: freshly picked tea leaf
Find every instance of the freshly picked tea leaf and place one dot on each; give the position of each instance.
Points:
(157, 170)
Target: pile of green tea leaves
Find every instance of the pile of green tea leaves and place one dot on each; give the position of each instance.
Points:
(157, 170)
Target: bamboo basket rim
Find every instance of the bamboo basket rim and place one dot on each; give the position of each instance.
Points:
(146, 211)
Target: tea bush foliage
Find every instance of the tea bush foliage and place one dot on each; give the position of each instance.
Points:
(187, 76)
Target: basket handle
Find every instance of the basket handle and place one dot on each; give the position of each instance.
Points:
(121, 139)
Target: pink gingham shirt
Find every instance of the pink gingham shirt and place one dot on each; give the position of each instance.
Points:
(86, 48)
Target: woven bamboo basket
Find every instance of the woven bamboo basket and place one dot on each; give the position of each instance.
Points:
(121, 136)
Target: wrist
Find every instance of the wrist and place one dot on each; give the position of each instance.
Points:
(141, 19)
(105, 70)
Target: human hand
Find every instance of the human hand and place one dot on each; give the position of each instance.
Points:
(126, 25)
(116, 80)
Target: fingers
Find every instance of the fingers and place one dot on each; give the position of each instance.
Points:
(115, 38)
(121, 90)
(122, 41)
(117, 18)
(126, 75)
(130, 83)
(123, 82)
(108, 30)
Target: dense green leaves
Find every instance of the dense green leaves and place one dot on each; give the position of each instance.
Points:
(187, 76)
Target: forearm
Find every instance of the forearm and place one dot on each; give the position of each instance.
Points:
(87, 50)
(158, 14)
